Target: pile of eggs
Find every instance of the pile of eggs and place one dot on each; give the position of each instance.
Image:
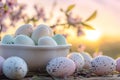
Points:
(26, 35)
(16, 68)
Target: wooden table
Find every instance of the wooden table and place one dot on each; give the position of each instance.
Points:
(37, 76)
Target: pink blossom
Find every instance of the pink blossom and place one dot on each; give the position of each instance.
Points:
(11, 3)
(81, 48)
(97, 54)
(73, 21)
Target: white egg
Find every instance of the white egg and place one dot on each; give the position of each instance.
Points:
(78, 59)
(40, 31)
(46, 41)
(87, 59)
(23, 40)
(61, 67)
(25, 29)
(103, 65)
(60, 39)
(7, 39)
(15, 68)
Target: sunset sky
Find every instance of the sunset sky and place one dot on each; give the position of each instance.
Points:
(108, 18)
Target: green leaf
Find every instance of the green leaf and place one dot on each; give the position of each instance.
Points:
(70, 8)
(87, 26)
(93, 16)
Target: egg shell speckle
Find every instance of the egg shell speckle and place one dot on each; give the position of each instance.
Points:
(40, 31)
(61, 67)
(103, 65)
(25, 29)
(1, 64)
(78, 59)
(118, 64)
(23, 40)
(46, 41)
(87, 60)
(15, 68)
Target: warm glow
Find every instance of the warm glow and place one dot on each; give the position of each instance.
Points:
(92, 35)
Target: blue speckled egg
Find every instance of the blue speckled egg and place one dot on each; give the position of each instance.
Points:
(15, 68)
(7, 39)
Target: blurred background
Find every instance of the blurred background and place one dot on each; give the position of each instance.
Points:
(92, 24)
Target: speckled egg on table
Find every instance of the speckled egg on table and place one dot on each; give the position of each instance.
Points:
(15, 68)
(87, 58)
(103, 65)
(78, 59)
(118, 64)
(61, 67)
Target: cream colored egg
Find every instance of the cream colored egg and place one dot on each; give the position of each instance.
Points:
(78, 59)
(40, 31)
(46, 41)
(87, 59)
(25, 29)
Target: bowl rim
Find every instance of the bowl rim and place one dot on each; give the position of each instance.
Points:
(34, 47)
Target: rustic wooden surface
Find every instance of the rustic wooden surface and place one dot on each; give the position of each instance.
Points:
(36, 76)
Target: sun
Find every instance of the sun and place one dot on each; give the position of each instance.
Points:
(92, 35)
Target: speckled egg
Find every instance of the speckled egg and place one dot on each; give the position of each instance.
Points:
(46, 41)
(25, 29)
(7, 39)
(103, 65)
(87, 59)
(78, 59)
(60, 39)
(118, 64)
(40, 31)
(1, 64)
(23, 40)
(15, 68)
(61, 67)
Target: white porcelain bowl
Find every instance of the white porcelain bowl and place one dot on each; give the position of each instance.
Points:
(36, 56)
